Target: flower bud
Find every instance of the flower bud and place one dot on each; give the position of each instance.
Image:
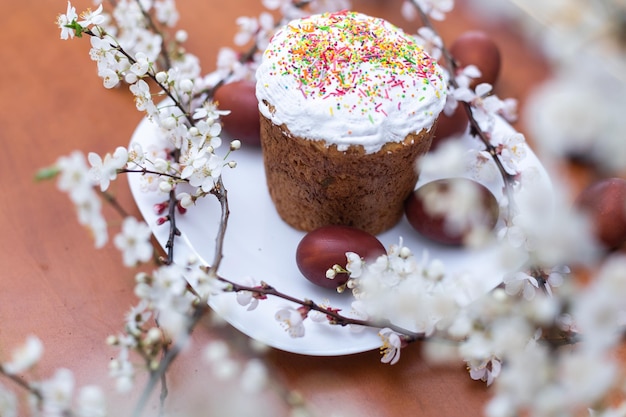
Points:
(185, 200)
(186, 85)
(169, 123)
(181, 36)
(130, 77)
(161, 77)
(235, 144)
(165, 186)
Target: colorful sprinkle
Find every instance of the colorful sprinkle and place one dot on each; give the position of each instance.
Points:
(332, 54)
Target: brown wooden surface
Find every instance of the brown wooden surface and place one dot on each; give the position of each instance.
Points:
(56, 285)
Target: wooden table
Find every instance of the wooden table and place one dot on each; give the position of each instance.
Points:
(57, 286)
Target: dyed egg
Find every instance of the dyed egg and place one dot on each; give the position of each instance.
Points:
(433, 223)
(243, 121)
(448, 126)
(476, 48)
(605, 203)
(326, 246)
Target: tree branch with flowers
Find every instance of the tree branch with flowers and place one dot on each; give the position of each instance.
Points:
(497, 336)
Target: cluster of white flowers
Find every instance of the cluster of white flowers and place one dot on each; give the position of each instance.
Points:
(577, 112)
(74, 179)
(54, 396)
(167, 300)
(79, 180)
(409, 292)
(253, 375)
(519, 341)
(124, 51)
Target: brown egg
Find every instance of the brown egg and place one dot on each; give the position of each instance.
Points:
(605, 202)
(434, 226)
(476, 48)
(448, 126)
(326, 246)
(243, 121)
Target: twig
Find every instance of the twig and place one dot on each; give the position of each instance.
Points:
(158, 374)
(21, 382)
(169, 246)
(109, 198)
(452, 67)
(222, 196)
(332, 314)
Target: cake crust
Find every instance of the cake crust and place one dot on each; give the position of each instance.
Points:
(313, 184)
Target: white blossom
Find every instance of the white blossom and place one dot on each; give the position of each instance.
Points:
(521, 283)
(392, 344)
(217, 354)
(166, 12)
(354, 265)
(206, 173)
(91, 402)
(247, 298)
(25, 356)
(90, 17)
(486, 370)
(104, 54)
(57, 393)
(134, 242)
(254, 376)
(248, 26)
(105, 170)
(512, 150)
(8, 403)
(66, 19)
(122, 370)
(138, 315)
(436, 9)
(430, 41)
(292, 320)
(141, 65)
(74, 174)
(143, 98)
(167, 294)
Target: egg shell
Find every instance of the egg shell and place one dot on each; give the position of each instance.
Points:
(448, 126)
(477, 48)
(434, 227)
(604, 202)
(322, 248)
(243, 121)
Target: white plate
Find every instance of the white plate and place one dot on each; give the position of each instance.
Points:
(260, 245)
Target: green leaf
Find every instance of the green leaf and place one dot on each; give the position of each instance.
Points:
(78, 29)
(47, 173)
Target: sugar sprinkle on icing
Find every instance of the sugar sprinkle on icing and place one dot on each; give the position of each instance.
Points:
(348, 78)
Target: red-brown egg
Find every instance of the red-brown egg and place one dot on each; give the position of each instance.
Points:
(477, 48)
(448, 126)
(322, 248)
(605, 203)
(243, 121)
(434, 226)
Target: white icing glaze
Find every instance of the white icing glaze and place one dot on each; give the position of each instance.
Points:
(349, 79)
